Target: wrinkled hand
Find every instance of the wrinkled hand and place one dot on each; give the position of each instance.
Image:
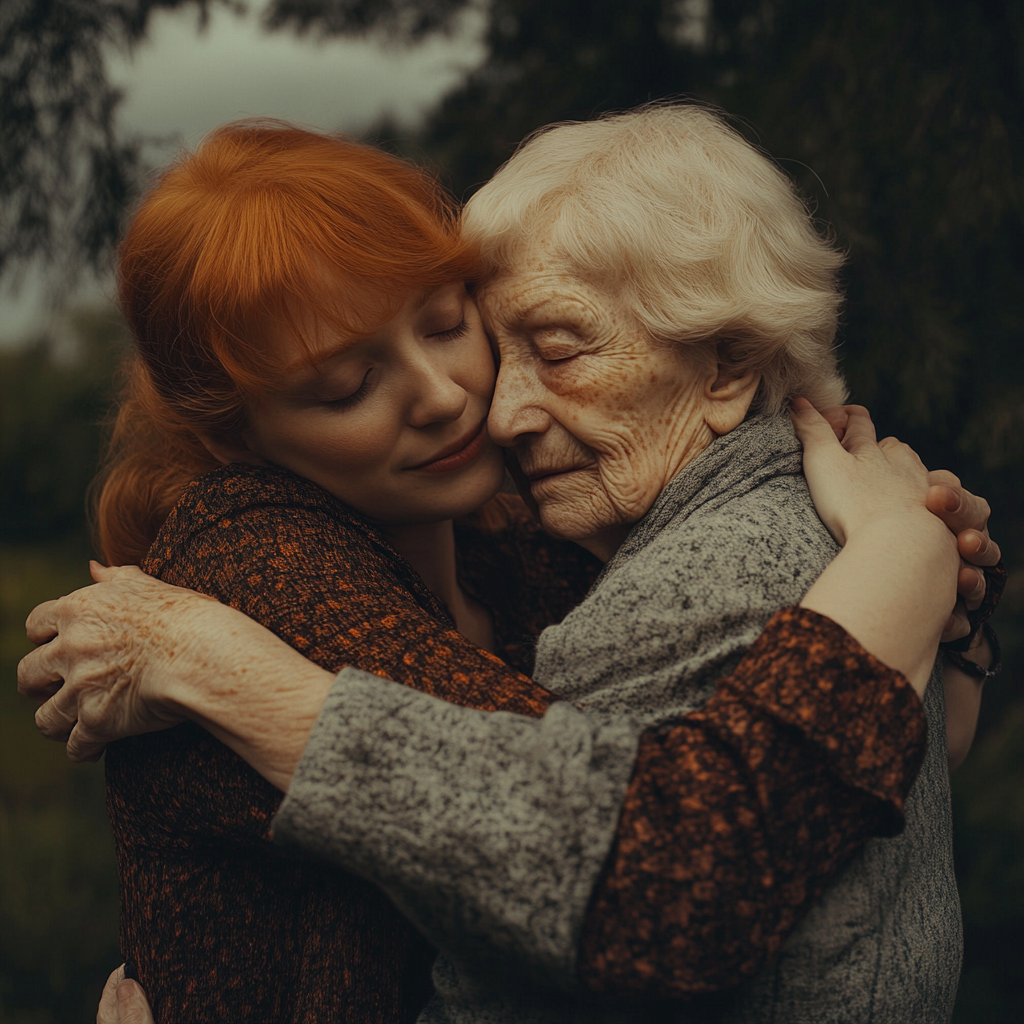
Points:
(964, 513)
(105, 651)
(123, 1001)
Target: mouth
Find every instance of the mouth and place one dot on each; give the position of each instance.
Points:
(458, 454)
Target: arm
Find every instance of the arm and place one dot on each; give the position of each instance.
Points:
(963, 694)
(262, 724)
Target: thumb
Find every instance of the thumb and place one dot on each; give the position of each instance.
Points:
(132, 1007)
(100, 573)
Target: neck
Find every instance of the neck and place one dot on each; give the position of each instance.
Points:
(606, 542)
(430, 549)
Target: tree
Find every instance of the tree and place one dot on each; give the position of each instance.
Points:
(65, 176)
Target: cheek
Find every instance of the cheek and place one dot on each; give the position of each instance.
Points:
(323, 447)
(473, 367)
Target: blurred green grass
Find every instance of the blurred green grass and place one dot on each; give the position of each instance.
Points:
(58, 884)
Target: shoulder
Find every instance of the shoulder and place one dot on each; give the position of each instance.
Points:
(765, 534)
(238, 488)
(237, 504)
(777, 510)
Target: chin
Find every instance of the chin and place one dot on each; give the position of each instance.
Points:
(464, 496)
(562, 525)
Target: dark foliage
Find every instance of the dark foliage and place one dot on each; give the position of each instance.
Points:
(65, 176)
(394, 19)
(900, 121)
(52, 404)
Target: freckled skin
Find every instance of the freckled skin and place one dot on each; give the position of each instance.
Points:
(420, 382)
(582, 387)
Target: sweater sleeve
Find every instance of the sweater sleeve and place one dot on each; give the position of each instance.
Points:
(666, 862)
(288, 556)
(552, 807)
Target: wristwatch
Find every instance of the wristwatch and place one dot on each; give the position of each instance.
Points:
(972, 668)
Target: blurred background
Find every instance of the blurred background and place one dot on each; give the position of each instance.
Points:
(900, 119)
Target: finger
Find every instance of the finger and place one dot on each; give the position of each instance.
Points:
(38, 674)
(945, 478)
(957, 625)
(900, 453)
(957, 507)
(99, 572)
(837, 416)
(971, 585)
(860, 429)
(42, 622)
(106, 1013)
(811, 427)
(132, 1006)
(978, 548)
(80, 748)
(54, 722)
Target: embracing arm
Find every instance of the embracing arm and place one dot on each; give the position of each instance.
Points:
(263, 698)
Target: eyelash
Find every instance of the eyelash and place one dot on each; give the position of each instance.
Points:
(452, 333)
(355, 398)
(363, 390)
(555, 360)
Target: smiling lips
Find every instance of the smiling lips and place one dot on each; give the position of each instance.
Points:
(458, 454)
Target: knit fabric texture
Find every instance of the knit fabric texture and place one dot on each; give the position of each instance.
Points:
(219, 923)
(493, 833)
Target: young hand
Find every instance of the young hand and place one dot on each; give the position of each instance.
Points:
(963, 513)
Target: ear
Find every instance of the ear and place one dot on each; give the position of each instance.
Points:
(728, 393)
(234, 450)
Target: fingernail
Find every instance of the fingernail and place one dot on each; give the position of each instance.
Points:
(952, 502)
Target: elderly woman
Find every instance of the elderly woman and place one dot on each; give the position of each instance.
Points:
(657, 294)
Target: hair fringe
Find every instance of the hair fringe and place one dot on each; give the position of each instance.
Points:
(265, 231)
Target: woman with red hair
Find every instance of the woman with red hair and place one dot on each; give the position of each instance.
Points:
(273, 282)
(303, 437)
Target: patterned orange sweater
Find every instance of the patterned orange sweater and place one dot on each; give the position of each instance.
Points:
(219, 925)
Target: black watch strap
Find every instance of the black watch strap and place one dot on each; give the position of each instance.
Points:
(995, 579)
(972, 668)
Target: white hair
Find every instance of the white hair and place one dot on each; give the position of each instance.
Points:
(706, 239)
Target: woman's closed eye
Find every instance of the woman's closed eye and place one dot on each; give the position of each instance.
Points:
(557, 345)
(353, 397)
(452, 332)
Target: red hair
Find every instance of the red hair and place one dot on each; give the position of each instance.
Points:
(257, 232)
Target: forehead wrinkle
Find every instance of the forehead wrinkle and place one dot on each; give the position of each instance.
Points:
(517, 314)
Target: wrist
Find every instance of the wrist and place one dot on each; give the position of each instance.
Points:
(891, 588)
(982, 660)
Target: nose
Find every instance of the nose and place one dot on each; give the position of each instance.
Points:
(517, 405)
(435, 397)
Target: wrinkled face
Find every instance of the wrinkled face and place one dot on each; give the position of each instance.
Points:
(600, 417)
(393, 424)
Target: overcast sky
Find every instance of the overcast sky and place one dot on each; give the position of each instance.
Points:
(180, 84)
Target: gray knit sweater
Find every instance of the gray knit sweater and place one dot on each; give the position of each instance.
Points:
(489, 830)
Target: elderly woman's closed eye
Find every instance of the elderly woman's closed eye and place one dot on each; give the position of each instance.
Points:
(601, 415)
(642, 307)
